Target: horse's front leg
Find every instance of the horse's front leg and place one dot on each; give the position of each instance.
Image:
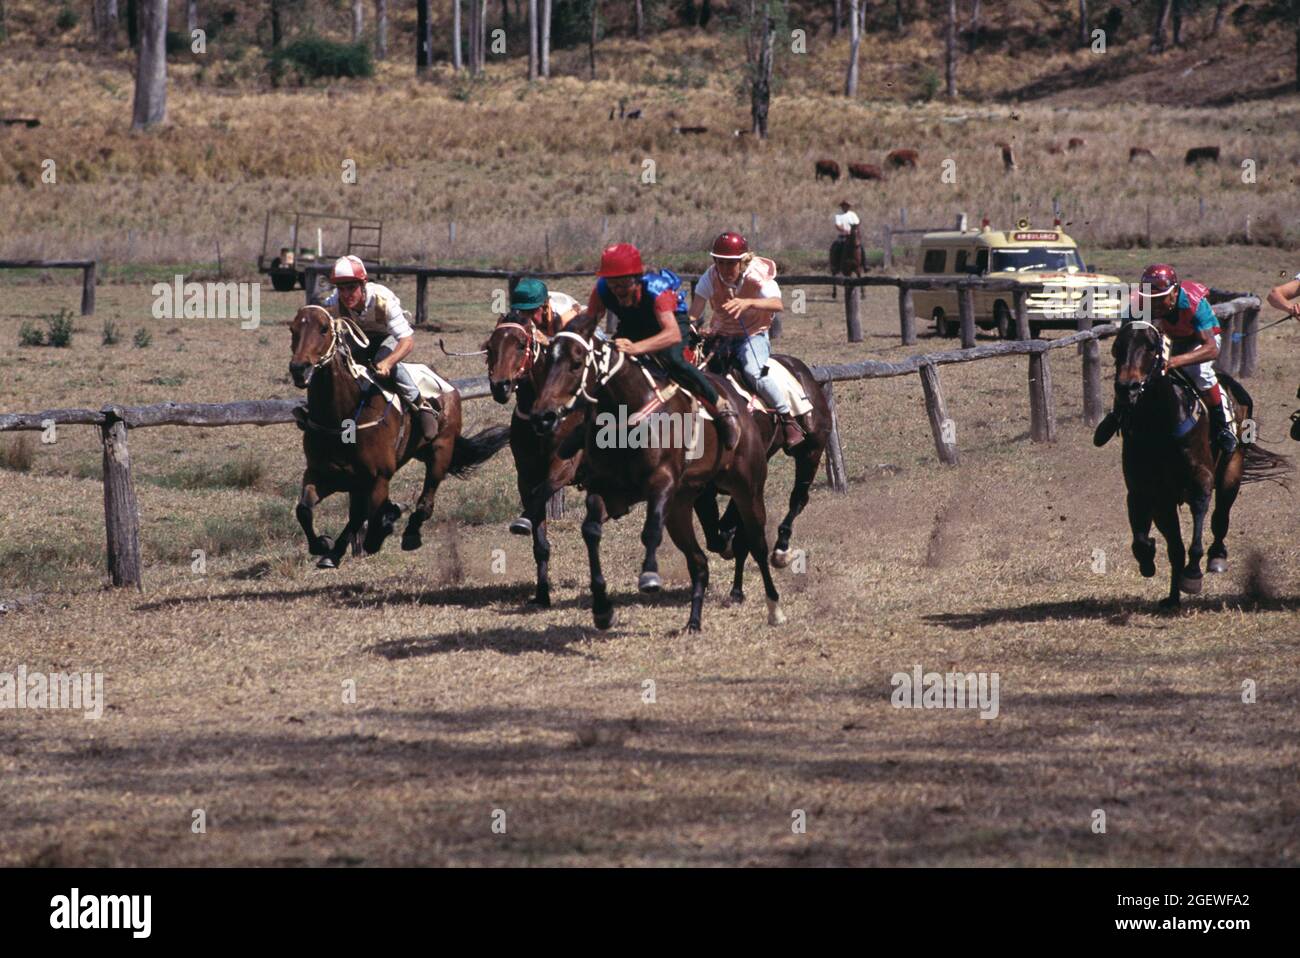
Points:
(682, 530)
(314, 489)
(356, 520)
(1144, 548)
(1191, 579)
(602, 611)
(652, 534)
(1166, 519)
(380, 516)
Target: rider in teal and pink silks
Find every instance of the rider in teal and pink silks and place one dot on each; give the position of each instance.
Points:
(1181, 311)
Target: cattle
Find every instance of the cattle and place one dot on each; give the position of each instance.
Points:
(865, 171)
(1076, 143)
(1202, 154)
(1008, 156)
(828, 168)
(901, 158)
(1054, 149)
(690, 129)
(1137, 152)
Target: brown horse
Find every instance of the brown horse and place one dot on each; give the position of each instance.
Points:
(355, 440)
(847, 256)
(1169, 460)
(724, 535)
(621, 470)
(517, 362)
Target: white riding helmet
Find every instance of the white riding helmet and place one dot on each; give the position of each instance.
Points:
(348, 269)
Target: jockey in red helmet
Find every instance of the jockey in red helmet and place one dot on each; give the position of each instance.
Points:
(742, 290)
(1181, 311)
(651, 311)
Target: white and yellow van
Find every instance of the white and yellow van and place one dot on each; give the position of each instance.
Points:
(1025, 255)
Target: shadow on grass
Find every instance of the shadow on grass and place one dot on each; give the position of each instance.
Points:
(1116, 611)
(508, 641)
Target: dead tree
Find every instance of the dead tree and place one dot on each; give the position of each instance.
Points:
(358, 20)
(423, 37)
(761, 91)
(950, 51)
(1083, 23)
(150, 106)
(855, 41)
(381, 29)
(532, 40)
(546, 39)
(457, 60)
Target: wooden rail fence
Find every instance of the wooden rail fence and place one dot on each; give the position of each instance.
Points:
(87, 267)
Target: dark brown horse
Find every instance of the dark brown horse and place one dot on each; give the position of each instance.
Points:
(1169, 459)
(724, 535)
(361, 459)
(668, 473)
(517, 360)
(847, 256)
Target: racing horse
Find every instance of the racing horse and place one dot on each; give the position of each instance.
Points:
(1169, 459)
(724, 535)
(355, 439)
(847, 257)
(668, 475)
(517, 361)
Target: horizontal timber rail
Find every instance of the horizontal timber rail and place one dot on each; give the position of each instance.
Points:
(87, 267)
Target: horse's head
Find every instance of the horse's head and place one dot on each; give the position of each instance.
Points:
(1140, 352)
(313, 342)
(510, 355)
(570, 372)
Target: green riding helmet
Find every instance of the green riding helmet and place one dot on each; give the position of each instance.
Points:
(529, 293)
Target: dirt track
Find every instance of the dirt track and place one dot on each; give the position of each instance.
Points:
(225, 691)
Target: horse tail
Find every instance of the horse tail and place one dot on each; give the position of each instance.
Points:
(1261, 465)
(473, 451)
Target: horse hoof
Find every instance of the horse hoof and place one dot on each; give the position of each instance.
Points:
(410, 543)
(692, 626)
(604, 619)
(736, 597)
(1170, 604)
(1147, 568)
(649, 582)
(1190, 584)
(774, 614)
(521, 527)
(323, 547)
(1218, 565)
(540, 601)
(780, 558)
(327, 563)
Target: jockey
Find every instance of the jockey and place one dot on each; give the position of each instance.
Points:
(1286, 297)
(652, 320)
(377, 310)
(742, 290)
(1181, 311)
(548, 312)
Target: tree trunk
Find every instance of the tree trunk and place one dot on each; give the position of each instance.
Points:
(1084, 38)
(1178, 22)
(855, 41)
(277, 29)
(381, 29)
(482, 36)
(595, 24)
(974, 24)
(133, 23)
(191, 17)
(706, 12)
(150, 107)
(761, 93)
(532, 40)
(358, 20)
(456, 29)
(1296, 15)
(1220, 12)
(104, 17)
(505, 16)
(1162, 21)
(472, 36)
(898, 16)
(837, 17)
(546, 39)
(640, 21)
(423, 37)
(950, 51)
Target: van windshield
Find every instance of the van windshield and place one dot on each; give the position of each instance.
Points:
(1013, 260)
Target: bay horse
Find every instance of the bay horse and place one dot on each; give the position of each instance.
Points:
(847, 257)
(362, 460)
(517, 361)
(586, 368)
(724, 535)
(1169, 459)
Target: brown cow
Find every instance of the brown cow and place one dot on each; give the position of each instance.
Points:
(1008, 155)
(690, 129)
(1054, 149)
(1198, 154)
(1076, 143)
(1136, 152)
(828, 168)
(901, 158)
(865, 171)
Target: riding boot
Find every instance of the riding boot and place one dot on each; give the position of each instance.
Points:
(1222, 434)
(792, 433)
(1107, 428)
(724, 414)
(429, 421)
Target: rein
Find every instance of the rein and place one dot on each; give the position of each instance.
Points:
(532, 351)
(598, 360)
(340, 328)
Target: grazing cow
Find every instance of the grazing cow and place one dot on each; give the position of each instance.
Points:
(633, 115)
(1076, 143)
(901, 158)
(690, 129)
(1008, 155)
(865, 171)
(1054, 149)
(1136, 152)
(1198, 154)
(828, 168)
(738, 134)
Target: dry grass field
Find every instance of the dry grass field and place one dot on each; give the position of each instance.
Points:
(225, 690)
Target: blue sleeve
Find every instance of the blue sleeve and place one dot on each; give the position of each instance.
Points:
(1205, 318)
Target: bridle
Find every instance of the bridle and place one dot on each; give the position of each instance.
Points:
(599, 360)
(532, 351)
(1162, 357)
(339, 325)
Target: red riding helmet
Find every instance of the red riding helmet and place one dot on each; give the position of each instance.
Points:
(621, 259)
(348, 269)
(730, 246)
(1160, 279)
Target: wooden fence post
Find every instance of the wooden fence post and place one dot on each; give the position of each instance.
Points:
(888, 243)
(1248, 357)
(121, 511)
(1229, 349)
(1090, 350)
(421, 299)
(1042, 410)
(851, 296)
(555, 505)
(88, 290)
(1021, 307)
(945, 431)
(966, 310)
(906, 314)
(835, 473)
(309, 279)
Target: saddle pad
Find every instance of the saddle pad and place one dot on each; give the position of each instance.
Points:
(430, 384)
(786, 384)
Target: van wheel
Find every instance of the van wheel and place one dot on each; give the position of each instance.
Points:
(942, 327)
(282, 280)
(1004, 321)
(1035, 331)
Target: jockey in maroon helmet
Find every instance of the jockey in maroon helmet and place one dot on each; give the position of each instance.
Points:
(1181, 311)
